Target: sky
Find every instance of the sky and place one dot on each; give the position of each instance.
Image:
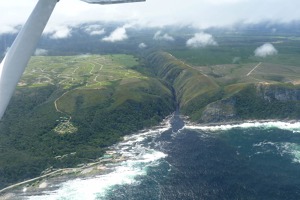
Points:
(155, 13)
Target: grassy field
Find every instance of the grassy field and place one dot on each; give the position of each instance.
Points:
(87, 71)
(237, 48)
(252, 73)
(236, 72)
(80, 77)
(232, 60)
(75, 107)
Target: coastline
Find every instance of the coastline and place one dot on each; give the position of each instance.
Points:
(99, 167)
(235, 122)
(290, 124)
(96, 167)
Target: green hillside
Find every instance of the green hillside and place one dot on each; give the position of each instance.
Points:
(72, 108)
(193, 89)
(68, 110)
(231, 92)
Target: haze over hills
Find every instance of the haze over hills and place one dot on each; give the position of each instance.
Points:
(89, 37)
(84, 92)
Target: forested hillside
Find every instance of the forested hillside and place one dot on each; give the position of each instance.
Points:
(225, 93)
(67, 110)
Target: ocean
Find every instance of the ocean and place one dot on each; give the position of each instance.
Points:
(179, 160)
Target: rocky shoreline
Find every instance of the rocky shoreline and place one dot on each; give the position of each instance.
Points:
(237, 122)
(59, 175)
(98, 167)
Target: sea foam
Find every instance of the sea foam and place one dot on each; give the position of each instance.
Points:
(138, 157)
(291, 126)
(293, 150)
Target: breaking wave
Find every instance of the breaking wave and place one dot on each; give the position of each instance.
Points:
(137, 154)
(293, 150)
(290, 126)
(283, 148)
(152, 165)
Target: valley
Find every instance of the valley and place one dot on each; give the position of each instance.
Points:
(68, 109)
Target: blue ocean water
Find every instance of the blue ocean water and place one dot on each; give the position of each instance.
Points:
(183, 161)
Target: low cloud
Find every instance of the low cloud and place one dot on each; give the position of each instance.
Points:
(41, 52)
(201, 40)
(94, 30)
(5, 29)
(60, 32)
(142, 46)
(160, 36)
(265, 50)
(236, 60)
(224, 2)
(117, 35)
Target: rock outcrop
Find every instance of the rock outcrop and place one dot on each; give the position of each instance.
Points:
(203, 100)
(283, 93)
(256, 101)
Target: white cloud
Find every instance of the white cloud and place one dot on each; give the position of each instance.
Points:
(117, 35)
(160, 36)
(223, 2)
(6, 29)
(199, 13)
(142, 46)
(265, 50)
(99, 32)
(201, 40)
(41, 52)
(236, 60)
(59, 32)
(94, 30)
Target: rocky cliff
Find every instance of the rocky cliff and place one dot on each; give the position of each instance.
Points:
(204, 101)
(256, 101)
(280, 92)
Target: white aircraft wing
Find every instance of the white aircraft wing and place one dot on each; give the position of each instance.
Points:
(16, 59)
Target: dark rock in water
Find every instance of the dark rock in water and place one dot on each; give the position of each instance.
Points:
(176, 122)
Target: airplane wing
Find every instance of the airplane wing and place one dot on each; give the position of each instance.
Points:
(111, 1)
(16, 59)
(18, 55)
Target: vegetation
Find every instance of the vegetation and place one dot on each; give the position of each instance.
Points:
(242, 91)
(188, 83)
(250, 105)
(67, 110)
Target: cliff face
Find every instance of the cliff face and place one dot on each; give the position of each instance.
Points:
(256, 101)
(222, 110)
(278, 92)
(203, 100)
